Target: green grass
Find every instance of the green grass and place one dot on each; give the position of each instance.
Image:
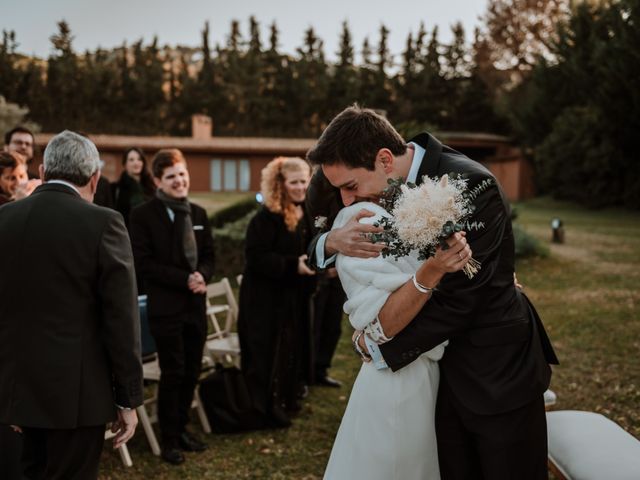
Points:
(586, 292)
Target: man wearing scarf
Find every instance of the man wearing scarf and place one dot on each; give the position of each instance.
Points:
(173, 251)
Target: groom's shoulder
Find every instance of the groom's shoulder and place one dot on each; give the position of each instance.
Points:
(456, 162)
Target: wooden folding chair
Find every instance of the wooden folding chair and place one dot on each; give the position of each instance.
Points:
(222, 342)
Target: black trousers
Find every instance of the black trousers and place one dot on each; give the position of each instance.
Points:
(10, 453)
(327, 319)
(180, 342)
(62, 454)
(508, 446)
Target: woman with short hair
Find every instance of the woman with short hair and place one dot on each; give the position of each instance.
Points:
(173, 250)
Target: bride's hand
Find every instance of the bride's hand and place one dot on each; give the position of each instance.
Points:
(455, 257)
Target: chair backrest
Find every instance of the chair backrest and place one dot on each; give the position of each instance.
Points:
(215, 292)
(148, 345)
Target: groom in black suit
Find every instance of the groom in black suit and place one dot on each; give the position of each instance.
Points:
(490, 419)
(69, 347)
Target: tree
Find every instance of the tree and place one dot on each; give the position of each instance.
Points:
(343, 85)
(63, 83)
(519, 32)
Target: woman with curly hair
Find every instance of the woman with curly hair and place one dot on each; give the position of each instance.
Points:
(135, 185)
(274, 295)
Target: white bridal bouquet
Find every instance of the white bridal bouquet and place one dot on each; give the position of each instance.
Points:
(424, 216)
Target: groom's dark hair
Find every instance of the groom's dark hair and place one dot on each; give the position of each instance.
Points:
(354, 137)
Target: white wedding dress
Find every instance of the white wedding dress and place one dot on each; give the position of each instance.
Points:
(388, 431)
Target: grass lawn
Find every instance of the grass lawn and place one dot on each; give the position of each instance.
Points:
(587, 294)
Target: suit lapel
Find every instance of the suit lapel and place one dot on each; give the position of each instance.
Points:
(161, 210)
(431, 161)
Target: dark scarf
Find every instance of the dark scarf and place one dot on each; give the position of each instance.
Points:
(182, 212)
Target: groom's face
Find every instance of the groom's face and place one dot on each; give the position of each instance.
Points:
(358, 184)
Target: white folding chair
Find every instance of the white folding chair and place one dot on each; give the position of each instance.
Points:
(589, 446)
(122, 450)
(222, 342)
(148, 412)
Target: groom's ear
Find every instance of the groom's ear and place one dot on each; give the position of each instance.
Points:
(386, 159)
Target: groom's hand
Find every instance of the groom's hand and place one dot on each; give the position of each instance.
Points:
(354, 238)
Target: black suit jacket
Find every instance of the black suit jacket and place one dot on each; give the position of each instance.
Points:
(498, 356)
(160, 260)
(69, 327)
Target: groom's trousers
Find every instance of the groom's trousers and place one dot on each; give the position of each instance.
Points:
(507, 446)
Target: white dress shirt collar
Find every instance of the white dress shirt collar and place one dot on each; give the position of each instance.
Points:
(418, 157)
(64, 182)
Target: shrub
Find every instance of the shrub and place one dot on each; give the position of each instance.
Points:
(234, 212)
(229, 246)
(527, 245)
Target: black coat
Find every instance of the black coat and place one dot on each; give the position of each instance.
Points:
(69, 326)
(274, 310)
(128, 194)
(498, 355)
(161, 263)
(104, 196)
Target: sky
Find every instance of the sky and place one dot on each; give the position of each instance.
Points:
(108, 23)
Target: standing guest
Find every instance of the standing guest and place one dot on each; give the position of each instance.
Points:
(322, 206)
(20, 140)
(274, 294)
(14, 181)
(70, 362)
(135, 185)
(173, 249)
(328, 300)
(104, 195)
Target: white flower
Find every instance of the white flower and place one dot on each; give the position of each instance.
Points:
(421, 212)
(320, 222)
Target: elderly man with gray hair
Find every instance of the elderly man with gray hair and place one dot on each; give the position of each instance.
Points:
(70, 346)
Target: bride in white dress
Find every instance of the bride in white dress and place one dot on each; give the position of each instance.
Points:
(388, 431)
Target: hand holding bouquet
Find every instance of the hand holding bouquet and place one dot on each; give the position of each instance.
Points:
(424, 216)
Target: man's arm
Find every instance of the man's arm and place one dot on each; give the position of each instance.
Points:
(352, 239)
(119, 308)
(451, 309)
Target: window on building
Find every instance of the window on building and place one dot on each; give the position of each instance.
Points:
(230, 175)
(216, 175)
(244, 182)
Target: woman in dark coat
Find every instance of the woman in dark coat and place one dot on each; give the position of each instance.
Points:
(273, 322)
(135, 185)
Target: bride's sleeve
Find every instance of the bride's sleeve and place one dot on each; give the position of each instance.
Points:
(368, 282)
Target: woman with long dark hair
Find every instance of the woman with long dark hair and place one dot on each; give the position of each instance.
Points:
(135, 185)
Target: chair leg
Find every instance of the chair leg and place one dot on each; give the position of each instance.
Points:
(148, 429)
(555, 470)
(124, 455)
(202, 415)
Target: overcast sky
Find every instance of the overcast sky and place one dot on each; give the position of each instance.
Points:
(108, 23)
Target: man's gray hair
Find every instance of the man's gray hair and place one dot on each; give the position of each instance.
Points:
(71, 157)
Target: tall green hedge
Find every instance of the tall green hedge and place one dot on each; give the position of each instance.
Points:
(229, 246)
(233, 212)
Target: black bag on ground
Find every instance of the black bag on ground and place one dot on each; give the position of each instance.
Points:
(227, 401)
